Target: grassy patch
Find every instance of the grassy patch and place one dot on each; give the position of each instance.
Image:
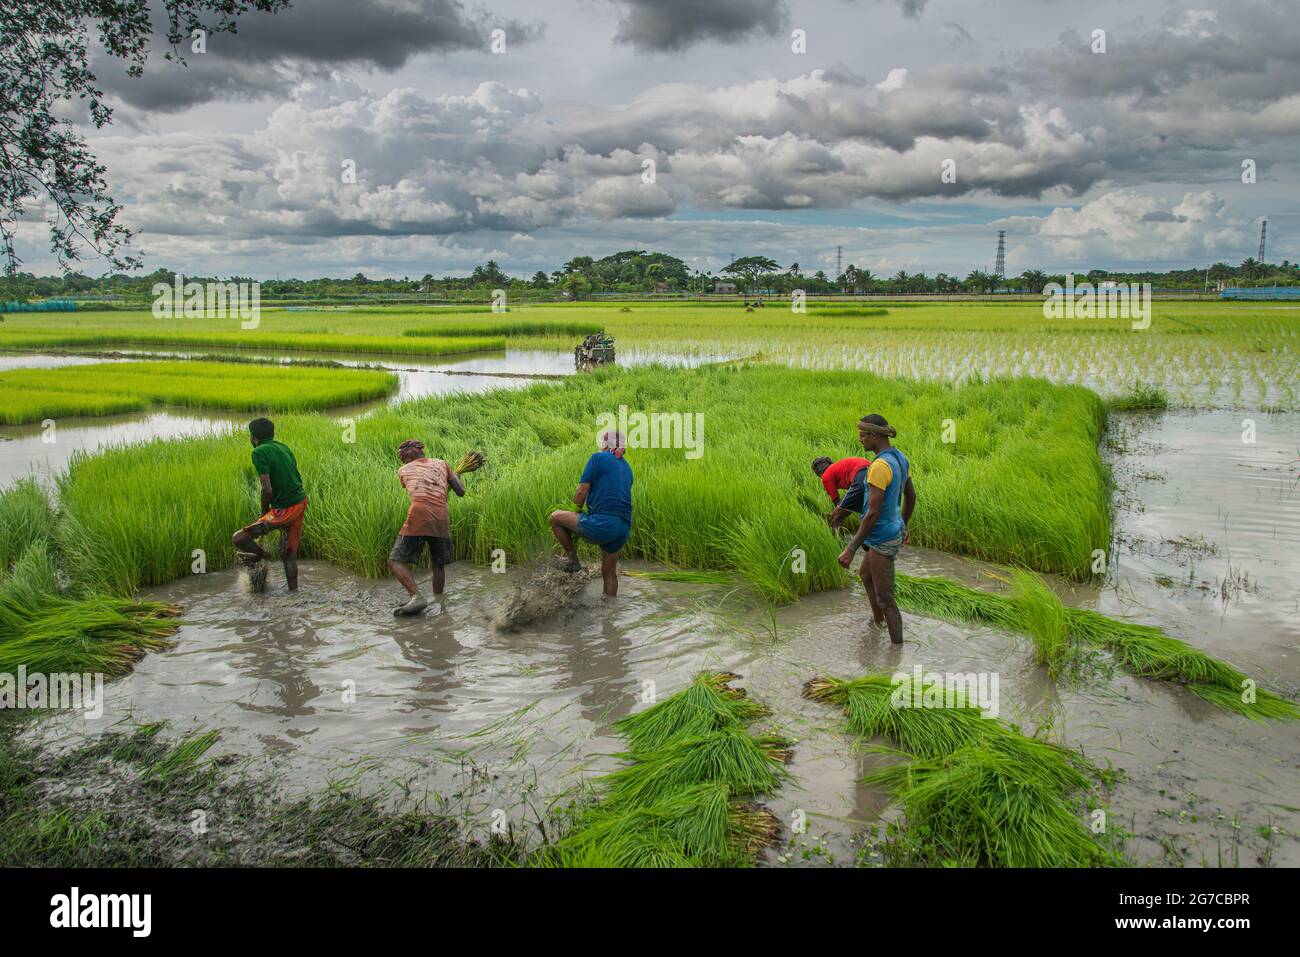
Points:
(29, 395)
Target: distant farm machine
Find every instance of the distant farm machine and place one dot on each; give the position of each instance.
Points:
(594, 350)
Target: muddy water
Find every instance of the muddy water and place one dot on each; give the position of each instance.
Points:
(446, 704)
(33, 450)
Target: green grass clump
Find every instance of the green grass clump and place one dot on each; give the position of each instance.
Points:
(976, 792)
(1140, 398)
(1060, 634)
(683, 798)
(29, 395)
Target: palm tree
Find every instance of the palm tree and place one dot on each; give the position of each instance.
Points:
(1034, 280)
(1250, 266)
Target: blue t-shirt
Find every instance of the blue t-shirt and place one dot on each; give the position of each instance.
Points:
(611, 486)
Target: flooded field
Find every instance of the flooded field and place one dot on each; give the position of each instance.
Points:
(326, 685)
(36, 449)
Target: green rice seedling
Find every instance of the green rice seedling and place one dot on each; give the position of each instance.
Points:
(1140, 398)
(729, 755)
(870, 705)
(680, 800)
(982, 806)
(706, 705)
(1044, 618)
(688, 577)
(26, 516)
(183, 757)
(1059, 634)
(39, 393)
(975, 790)
(52, 633)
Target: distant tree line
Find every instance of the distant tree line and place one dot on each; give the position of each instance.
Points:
(639, 271)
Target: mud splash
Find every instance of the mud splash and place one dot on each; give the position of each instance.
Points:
(547, 592)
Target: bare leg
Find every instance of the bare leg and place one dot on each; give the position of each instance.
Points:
(290, 561)
(864, 572)
(244, 541)
(439, 579)
(882, 575)
(609, 572)
(404, 577)
(563, 525)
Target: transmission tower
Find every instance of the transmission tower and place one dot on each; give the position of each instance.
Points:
(839, 261)
(1000, 263)
(1263, 230)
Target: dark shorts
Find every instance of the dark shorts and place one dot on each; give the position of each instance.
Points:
(608, 531)
(855, 499)
(408, 549)
(889, 549)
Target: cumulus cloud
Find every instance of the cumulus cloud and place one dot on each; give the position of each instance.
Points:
(1128, 224)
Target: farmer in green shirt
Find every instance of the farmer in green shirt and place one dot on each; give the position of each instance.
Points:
(284, 502)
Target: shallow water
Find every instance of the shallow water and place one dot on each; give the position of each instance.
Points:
(33, 450)
(446, 704)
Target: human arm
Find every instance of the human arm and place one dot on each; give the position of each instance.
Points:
(454, 482)
(909, 503)
(875, 499)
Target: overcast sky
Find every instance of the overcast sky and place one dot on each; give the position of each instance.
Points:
(1127, 158)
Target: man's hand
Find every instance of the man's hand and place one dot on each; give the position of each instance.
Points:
(846, 558)
(907, 536)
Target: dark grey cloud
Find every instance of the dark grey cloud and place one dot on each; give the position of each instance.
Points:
(269, 54)
(652, 26)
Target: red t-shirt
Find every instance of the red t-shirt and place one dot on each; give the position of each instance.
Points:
(839, 476)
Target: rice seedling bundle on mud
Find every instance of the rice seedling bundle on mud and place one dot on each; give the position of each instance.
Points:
(974, 790)
(687, 796)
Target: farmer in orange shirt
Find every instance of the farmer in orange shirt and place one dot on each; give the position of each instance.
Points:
(426, 480)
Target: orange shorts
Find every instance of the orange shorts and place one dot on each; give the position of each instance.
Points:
(288, 520)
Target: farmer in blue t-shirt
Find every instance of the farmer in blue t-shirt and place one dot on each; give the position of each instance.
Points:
(606, 489)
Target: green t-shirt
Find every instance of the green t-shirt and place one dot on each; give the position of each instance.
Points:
(274, 459)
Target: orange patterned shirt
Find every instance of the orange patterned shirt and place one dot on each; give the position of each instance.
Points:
(425, 480)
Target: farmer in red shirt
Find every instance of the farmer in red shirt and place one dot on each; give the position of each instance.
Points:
(838, 476)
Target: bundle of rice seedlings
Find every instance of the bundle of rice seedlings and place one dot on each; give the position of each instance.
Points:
(1043, 617)
(471, 461)
(50, 632)
(686, 797)
(1059, 634)
(729, 756)
(975, 790)
(709, 703)
(984, 806)
(868, 702)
